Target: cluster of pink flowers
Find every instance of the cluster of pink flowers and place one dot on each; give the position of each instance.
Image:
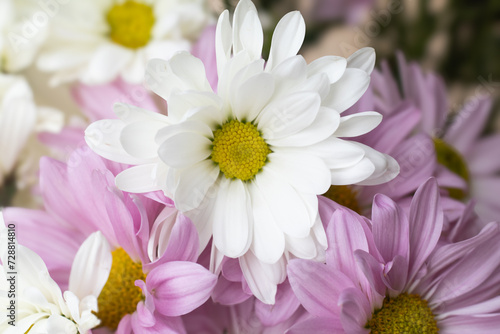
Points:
(404, 240)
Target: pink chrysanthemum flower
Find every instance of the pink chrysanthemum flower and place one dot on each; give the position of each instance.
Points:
(466, 163)
(389, 275)
(141, 261)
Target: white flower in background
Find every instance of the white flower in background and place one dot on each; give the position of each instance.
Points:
(96, 41)
(246, 163)
(19, 119)
(41, 307)
(23, 29)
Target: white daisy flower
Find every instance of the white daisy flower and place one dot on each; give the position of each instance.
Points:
(97, 41)
(23, 29)
(246, 163)
(40, 306)
(19, 119)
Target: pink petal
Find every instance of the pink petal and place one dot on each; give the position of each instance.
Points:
(286, 304)
(393, 130)
(58, 246)
(469, 124)
(229, 293)
(164, 325)
(470, 324)
(320, 298)
(125, 325)
(460, 279)
(183, 244)
(426, 224)
(345, 235)
(395, 274)
(482, 160)
(390, 228)
(180, 287)
(231, 270)
(59, 198)
(356, 311)
(317, 325)
(372, 269)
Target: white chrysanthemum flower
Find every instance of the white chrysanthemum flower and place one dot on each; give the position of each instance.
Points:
(97, 41)
(23, 29)
(19, 119)
(40, 306)
(246, 163)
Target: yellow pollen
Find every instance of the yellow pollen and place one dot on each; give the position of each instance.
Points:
(344, 195)
(407, 313)
(451, 159)
(120, 296)
(239, 150)
(131, 23)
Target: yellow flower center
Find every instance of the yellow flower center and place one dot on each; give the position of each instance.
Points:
(407, 313)
(344, 195)
(131, 23)
(451, 159)
(239, 150)
(120, 296)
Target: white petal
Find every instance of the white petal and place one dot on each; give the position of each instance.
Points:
(129, 113)
(358, 124)
(106, 63)
(288, 115)
(268, 240)
(287, 39)
(91, 266)
(325, 124)
(139, 179)
(289, 75)
(252, 96)
(303, 248)
(353, 174)
(247, 30)
(288, 208)
(193, 184)
(232, 219)
(240, 62)
(138, 139)
(363, 59)
(182, 72)
(190, 126)
(211, 116)
(181, 104)
(333, 66)
(223, 41)
(386, 167)
(337, 153)
(103, 137)
(17, 122)
(263, 278)
(59, 324)
(305, 172)
(347, 90)
(317, 83)
(184, 149)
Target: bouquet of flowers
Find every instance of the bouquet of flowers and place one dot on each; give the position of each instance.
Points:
(217, 177)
